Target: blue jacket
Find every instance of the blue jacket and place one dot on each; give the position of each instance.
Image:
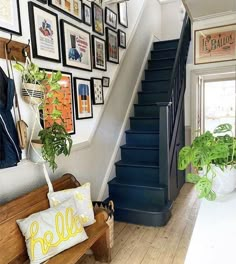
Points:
(10, 152)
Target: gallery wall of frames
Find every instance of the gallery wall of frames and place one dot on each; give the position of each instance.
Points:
(72, 34)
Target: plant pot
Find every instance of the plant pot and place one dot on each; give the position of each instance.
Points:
(32, 93)
(35, 151)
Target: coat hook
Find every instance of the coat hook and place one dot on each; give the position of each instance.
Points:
(9, 49)
(24, 52)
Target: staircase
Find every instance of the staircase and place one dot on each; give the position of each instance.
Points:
(140, 193)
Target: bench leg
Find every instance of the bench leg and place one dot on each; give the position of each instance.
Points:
(101, 249)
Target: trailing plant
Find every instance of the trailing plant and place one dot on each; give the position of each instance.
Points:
(217, 148)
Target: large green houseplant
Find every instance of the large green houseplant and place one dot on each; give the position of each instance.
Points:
(54, 139)
(208, 154)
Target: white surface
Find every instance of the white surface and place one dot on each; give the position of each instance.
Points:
(214, 234)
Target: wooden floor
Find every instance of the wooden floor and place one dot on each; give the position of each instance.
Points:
(135, 244)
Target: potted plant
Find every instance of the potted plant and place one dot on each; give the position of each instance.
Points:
(53, 140)
(213, 159)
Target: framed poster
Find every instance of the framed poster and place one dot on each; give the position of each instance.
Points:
(110, 18)
(215, 44)
(76, 47)
(83, 101)
(65, 103)
(87, 15)
(97, 19)
(10, 16)
(122, 39)
(123, 14)
(44, 33)
(99, 53)
(112, 46)
(72, 8)
(105, 81)
(97, 91)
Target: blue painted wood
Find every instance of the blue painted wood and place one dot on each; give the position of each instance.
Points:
(158, 63)
(159, 75)
(144, 123)
(142, 138)
(158, 86)
(152, 97)
(148, 110)
(166, 44)
(167, 53)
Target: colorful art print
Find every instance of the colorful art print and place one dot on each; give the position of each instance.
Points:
(83, 98)
(112, 46)
(97, 19)
(99, 53)
(123, 14)
(76, 47)
(110, 18)
(72, 8)
(87, 15)
(44, 33)
(215, 44)
(105, 81)
(65, 106)
(122, 39)
(10, 16)
(97, 91)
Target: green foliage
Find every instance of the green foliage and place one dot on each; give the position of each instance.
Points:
(217, 148)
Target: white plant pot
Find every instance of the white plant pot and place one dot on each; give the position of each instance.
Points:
(32, 93)
(35, 151)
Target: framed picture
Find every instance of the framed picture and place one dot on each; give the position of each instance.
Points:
(76, 48)
(99, 53)
(87, 16)
(110, 18)
(72, 8)
(10, 16)
(112, 46)
(215, 44)
(44, 33)
(105, 81)
(43, 1)
(123, 14)
(65, 106)
(83, 99)
(122, 39)
(97, 91)
(97, 19)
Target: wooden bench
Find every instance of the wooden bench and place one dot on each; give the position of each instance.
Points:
(12, 243)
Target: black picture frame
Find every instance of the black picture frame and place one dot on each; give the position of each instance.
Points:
(112, 46)
(97, 19)
(43, 1)
(109, 17)
(67, 105)
(72, 55)
(97, 91)
(68, 10)
(14, 26)
(105, 81)
(122, 39)
(83, 98)
(48, 34)
(87, 15)
(99, 53)
(123, 14)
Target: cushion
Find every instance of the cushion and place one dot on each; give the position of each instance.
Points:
(51, 231)
(83, 199)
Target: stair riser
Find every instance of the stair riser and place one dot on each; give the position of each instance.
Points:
(158, 75)
(139, 155)
(144, 124)
(138, 175)
(142, 139)
(152, 64)
(159, 86)
(163, 54)
(142, 218)
(146, 111)
(152, 98)
(165, 45)
(130, 196)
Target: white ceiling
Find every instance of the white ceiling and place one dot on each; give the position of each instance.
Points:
(200, 9)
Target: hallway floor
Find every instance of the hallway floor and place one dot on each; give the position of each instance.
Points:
(135, 244)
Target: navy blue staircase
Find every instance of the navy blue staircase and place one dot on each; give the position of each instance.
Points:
(136, 191)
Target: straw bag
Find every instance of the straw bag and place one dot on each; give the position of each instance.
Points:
(109, 208)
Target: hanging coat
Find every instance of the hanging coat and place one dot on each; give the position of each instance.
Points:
(10, 152)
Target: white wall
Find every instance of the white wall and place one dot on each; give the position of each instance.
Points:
(89, 159)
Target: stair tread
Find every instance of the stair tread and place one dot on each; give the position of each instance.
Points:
(140, 147)
(146, 104)
(164, 41)
(153, 92)
(150, 187)
(163, 49)
(166, 58)
(141, 117)
(137, 164)
(130, 131)
(160, 68)
(148, 81)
